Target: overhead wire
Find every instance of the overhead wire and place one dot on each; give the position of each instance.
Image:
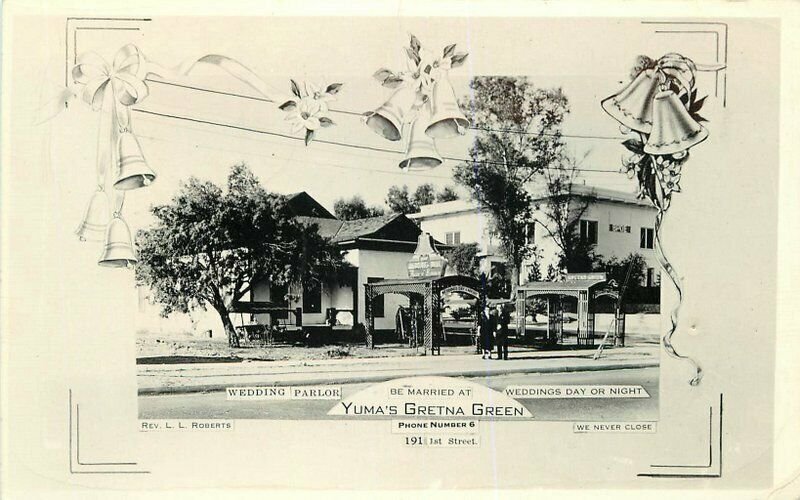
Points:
(355, 113)
(331, 142)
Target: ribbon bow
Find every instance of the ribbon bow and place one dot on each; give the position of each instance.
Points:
(679, 68)
(125, 77)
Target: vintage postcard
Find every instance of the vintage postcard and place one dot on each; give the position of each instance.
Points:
(279, 248)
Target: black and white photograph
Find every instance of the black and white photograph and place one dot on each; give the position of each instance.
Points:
(412, 240)
(530, 240)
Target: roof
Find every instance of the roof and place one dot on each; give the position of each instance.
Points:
(402, 281)
(466, 206)
(352, 229)
(327, 227)
(606, 195)
(446, 207)
(444, 281)
(391, 227)
(560, 286)
(303, 205)
(603, 194)
(383, 230)
(255, 307)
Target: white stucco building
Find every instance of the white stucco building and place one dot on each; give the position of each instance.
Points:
(377, 248)
(617, 222)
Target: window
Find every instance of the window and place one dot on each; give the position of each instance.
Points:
(452, 238)
(498, 271)
(378, 305)
(530, 233)
(589, 231)
(616, 228)
(646, 237)
(312, 299)
(278, 296)
(652, 277)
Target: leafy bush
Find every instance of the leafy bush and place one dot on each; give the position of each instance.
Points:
(338, 352)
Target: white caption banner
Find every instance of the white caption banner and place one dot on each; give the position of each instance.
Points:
(575, 391)
(434, 426)
(269, 393)
(172, 425)
(613, 427)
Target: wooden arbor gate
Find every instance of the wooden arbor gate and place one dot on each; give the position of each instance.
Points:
(618, 312)
(583, 287)
(430, 291)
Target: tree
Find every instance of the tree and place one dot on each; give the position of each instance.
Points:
(425, 194)
(631, 267)
(498, 283)
(535, 265)
(208, 247)
(355, 208)
(464, 258)
(400, 200)
(560, 214)
(518, 138)
(448, 193)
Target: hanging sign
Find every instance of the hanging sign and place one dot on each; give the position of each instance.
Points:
(426, 261)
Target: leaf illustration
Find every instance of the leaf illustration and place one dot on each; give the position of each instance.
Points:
(382, 74)
(449, 51)
(295, 88)
(309, 136)
(458, 59)
(288, 106)
(326, 122)
(333, 88)
(413, 56)
(392, 82)
(634, 146)
(697, 105)
(415, 45)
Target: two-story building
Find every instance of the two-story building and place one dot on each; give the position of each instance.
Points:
(617, 223)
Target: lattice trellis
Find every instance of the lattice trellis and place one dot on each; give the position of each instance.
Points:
(430, 291)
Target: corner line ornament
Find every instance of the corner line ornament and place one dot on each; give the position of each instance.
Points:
(660, 109)
(111, 89)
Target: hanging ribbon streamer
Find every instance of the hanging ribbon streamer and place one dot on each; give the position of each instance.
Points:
(673, 316)
(114, 155)
(306, 106)
(230, 66)
(660, 105)
(95, 219)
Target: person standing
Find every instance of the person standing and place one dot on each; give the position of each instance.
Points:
(501, 331)
(487, 327)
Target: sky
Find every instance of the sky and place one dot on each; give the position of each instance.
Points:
(350, 50)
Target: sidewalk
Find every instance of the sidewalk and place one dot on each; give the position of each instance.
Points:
(206, 377)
